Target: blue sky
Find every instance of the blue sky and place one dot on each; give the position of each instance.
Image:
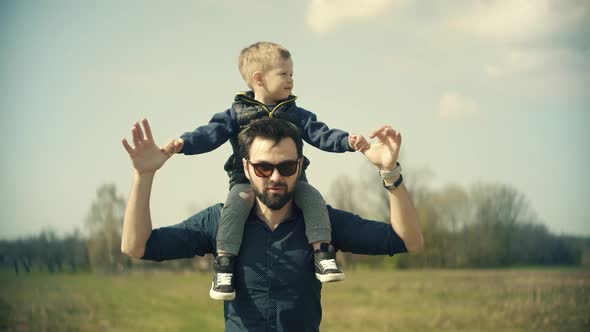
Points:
(482, 91)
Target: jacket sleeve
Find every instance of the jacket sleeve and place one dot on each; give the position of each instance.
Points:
(210, 136)
(194, 236)
(351, 233)
(319, 135)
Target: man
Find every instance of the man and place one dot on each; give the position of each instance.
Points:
(275, 283)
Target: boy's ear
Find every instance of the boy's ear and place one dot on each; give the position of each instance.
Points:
(257, 78)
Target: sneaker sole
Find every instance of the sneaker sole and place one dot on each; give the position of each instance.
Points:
(332, 277)
(221, 296)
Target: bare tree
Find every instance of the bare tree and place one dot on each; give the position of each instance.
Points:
(104, 223)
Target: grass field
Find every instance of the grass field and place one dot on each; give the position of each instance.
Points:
(415, 300)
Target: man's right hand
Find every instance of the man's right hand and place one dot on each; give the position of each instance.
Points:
(145, 155)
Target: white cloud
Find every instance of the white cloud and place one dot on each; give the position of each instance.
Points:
(326, 15)
(516, 61)
(517, 20)
(519, 39)
(453, 106)
(527, 61)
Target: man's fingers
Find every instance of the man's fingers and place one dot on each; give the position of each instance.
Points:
(127, 146)
(168, 148)
(383, 132)
(389, 131)
(148, 129)
(140, 135)
(135, 134)
(364, 145)
(377, 132)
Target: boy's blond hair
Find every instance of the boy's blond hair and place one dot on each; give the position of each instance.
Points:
(260, 57)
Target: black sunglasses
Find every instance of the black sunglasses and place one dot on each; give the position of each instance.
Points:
(264, 170)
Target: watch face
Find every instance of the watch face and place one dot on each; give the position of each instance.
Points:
(393, 185)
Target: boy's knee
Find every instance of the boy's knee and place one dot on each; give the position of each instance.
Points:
(247, 194)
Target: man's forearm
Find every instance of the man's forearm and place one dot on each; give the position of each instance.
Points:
(137, 224)
(404, 218)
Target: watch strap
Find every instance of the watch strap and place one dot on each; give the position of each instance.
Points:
(391, 173)
(394, 185)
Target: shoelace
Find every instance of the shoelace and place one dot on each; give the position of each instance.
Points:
(328, 264)
(224, 278)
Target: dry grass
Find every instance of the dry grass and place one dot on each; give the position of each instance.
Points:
(417, 300)
(460, 300)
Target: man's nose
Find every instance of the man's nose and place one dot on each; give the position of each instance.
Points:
(275, 176)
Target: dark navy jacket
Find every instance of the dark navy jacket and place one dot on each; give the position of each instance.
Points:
(227, 125)
(276, 288)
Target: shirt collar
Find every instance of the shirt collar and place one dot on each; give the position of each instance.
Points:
(295, 216)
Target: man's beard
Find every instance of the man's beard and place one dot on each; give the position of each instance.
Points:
(271, 200)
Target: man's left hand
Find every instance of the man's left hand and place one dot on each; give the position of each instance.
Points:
(384, 151)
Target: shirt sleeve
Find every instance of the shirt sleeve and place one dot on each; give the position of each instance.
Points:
(194, 236)
(351, 233)
(210, 136)
(321, 136)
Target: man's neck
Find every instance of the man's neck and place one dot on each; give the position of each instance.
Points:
(273, 217)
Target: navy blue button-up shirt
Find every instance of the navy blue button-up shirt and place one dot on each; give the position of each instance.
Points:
(276, 288)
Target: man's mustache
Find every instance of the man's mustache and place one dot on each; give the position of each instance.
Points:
(275, 184)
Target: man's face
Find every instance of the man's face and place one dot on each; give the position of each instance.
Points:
(275, 190)
(279, 80)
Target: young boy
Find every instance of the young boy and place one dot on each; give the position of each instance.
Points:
(267, 69)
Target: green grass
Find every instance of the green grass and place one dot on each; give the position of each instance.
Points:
(416, 300)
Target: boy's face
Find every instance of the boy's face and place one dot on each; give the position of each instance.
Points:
(278, 81)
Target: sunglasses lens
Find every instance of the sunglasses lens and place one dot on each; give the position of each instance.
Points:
(287, 168)
(265, 170)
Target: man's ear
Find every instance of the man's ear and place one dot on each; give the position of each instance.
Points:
(300, 167)
(257, 78)
(246, 169)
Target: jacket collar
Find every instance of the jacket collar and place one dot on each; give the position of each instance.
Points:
(248, 97)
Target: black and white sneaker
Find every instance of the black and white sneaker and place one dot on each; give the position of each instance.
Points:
(326, 269)
(222, 287)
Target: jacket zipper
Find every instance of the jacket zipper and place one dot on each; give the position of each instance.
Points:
(270, 113)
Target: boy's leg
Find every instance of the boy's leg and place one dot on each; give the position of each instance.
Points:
(318, 231)
(229, 239)
(234, 214)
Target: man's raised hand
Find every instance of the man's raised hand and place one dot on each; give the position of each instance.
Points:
(145, 155)
(384, 151)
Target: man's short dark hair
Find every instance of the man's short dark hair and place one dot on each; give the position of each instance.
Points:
(271, 129)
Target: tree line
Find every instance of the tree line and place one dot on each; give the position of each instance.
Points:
(98, 249)
(486, 225)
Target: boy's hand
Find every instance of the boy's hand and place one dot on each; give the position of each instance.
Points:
(173, 147)
(358, 142)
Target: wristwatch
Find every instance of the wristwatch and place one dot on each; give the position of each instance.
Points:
(393, 185)
(392, 173)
